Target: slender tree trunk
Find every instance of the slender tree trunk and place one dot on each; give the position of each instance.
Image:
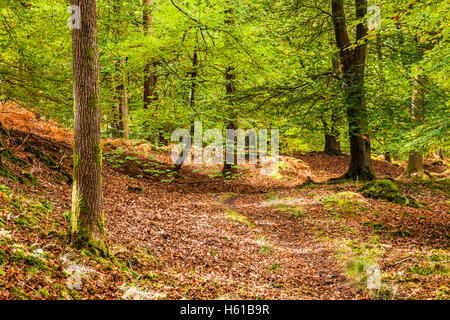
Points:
(150, 75)
(192, 93)
(122, 99)
(415, 159)
(332, 144)
(229, 168)
(87, 225)
(230, 89)
(387, 157)
(353, 66)
(121, 76)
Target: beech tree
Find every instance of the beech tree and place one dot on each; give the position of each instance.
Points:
(353, 60)
(87, 226)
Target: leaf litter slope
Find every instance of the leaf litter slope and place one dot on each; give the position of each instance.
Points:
(217, 239)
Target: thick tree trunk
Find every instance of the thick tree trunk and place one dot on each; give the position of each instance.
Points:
(87, 225)
(353, 67)
(415, 165)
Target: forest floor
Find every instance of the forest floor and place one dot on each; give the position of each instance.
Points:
(197, 235)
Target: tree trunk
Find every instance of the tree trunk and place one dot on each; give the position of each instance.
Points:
(332, 145)
(230, 89)
(415, 165)
(122, 99)
(353, 67)
(150, 75)
(192, 92)
(229, 168)
(415, 159)
(387, 157)
(87, 225)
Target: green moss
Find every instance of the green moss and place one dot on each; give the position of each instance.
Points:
(46, 204)
(30, 177)
(2, 256)
(19, 293)
(79, 234)
(90, 52)
(387, 190)
(5, 172)
(43, 157)
(401, 233)
(11, 157)
(347, 202)
(19, 255)
(98, 154)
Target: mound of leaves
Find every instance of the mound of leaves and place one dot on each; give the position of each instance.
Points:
(387, 190)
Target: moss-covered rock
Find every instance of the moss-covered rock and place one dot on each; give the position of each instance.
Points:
(387, 190)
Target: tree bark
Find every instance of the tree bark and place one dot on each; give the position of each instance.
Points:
(122, 99)
(415, 159)
(230, 87)
(332, 145)
(150, 75)
(353, 67)
(415, 165)
(192, 92)
(230, 90)
(87, 225)
(120, 89)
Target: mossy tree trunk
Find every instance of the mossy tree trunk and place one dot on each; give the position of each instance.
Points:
(87, 228)
(353, 62)
(415, 165)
